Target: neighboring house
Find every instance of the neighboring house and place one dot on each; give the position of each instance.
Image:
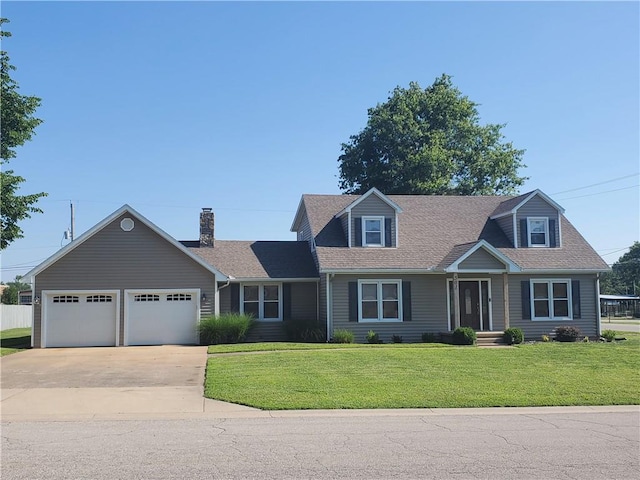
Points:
(25, 297)
(397, 264)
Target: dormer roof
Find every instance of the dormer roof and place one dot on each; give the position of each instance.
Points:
(361, 198)
(511, 206)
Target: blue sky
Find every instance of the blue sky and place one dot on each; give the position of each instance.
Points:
(174, 106)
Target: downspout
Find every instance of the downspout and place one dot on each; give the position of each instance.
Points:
(328, 300)
(598, 326)
(216, 307)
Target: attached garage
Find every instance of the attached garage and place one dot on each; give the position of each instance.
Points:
(158, 317)
(80, 318)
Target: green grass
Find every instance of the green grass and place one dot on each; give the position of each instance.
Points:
(278, 346)
(319, 376)
(14, 340)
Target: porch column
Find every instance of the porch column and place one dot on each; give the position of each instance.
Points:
(456, 301)
(505, 298)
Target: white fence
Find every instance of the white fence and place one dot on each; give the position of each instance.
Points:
(15, 316)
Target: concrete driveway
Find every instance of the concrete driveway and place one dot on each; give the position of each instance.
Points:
(90, 382)
(164, 366)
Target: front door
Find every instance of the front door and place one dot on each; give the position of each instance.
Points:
(470, 304)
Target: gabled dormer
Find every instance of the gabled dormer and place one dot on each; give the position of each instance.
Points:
(531, 220)
(371, 221)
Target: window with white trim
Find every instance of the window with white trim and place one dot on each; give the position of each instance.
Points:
(262, 300)
(373, 231)
(551, 300)
(379, 300)
(538, 231)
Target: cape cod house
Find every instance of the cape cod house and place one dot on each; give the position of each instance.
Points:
(398, 264)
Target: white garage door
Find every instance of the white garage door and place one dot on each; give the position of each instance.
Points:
(80, 319)
(164, 317)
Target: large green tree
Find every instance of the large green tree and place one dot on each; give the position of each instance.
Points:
(624, 278)
(10, 294)
(17, 125)
(429, 142)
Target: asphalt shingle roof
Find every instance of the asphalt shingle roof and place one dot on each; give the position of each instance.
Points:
(258, 259)
(432, 229)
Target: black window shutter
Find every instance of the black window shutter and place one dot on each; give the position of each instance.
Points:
(234, 289)
(357, 229)
(575, 295)
(387, 232)
(552, 233)
(353, 301)
(406, 301)
(286, 301)
(524, 237)
(526, 299)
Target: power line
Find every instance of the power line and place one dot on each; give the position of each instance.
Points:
(599, 183)
(615, 251)
(599, 193)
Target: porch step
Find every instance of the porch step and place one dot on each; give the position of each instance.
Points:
(490, 339)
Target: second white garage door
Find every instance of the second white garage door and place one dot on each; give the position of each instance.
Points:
(161, 317)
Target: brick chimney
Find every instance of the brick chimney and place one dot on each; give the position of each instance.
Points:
(206, 227)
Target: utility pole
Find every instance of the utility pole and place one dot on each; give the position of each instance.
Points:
(73, 220)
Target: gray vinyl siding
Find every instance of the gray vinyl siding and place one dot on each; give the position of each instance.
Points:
(481, 259)
(534, 329)
(117, 260)
(304, 230)
(344, 221)
(322, 298)
(225, 297)
(537, 207)
(373, 206)
(304, 303)
(506, 224)
(428, 303)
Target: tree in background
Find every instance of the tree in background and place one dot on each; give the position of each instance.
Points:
(624, 278)
(429, 142)
(10, 294)
(17, 123)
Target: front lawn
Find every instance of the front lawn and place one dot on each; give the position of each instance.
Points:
(421, 376)
(14, 340)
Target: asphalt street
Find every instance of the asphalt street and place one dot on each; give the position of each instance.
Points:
(598, 445)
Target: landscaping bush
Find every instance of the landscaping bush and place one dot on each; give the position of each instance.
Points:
(609, 335)
(307, 331)
(429, 337)
(513, 336)
(343, 336)
(464, 336)
(396, 338)
(225, 328)
(373, 337)
(567, 334)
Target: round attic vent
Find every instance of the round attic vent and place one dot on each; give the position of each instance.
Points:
(127, 224)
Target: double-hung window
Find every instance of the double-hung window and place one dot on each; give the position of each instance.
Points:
(551, 299)
(538, 228)
(262, 301)
(380, 300)
(373, 231)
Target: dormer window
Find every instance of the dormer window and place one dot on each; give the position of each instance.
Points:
(538, 229)
(372, 231)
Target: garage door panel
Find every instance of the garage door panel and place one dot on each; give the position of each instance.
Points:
(164, 317)
(80, 319)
